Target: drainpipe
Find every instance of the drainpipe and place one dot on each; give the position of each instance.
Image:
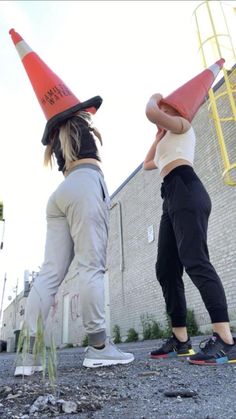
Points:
(121, 242)
(120, 234)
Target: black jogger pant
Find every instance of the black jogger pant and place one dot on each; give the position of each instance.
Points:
(182, 244)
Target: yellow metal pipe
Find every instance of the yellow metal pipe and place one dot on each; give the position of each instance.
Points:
(213, 28)
(230, 39)
(230, 94)
(216, 119)
(228, 167)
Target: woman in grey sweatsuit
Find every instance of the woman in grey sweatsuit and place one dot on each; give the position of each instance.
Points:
(77, 226)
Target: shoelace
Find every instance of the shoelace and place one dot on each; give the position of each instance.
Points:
(112, 344)
(208, 343)
(168, 342)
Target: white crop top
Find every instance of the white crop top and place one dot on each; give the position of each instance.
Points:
(175, 146)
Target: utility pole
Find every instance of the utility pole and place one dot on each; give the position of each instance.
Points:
(3, 231)
(15, 303)
(3, 292)
(3, 221)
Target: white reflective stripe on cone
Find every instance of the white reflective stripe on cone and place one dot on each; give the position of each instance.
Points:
(215, 69)
(23, 49)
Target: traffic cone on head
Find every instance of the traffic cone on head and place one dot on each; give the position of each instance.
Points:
(188, 98)
(55, 98)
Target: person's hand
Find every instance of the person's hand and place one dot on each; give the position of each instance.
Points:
(160, 130)
(152, 108)
(156, 97)
(160, 133)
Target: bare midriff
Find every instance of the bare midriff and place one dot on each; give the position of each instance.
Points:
(172, 165)
(81, 161)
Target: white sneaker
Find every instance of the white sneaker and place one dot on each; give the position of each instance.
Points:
(110, 355)
(27, 365)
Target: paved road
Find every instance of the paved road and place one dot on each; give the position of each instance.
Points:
(140, 390)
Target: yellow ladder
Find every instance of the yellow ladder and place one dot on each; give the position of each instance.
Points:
(210, 16)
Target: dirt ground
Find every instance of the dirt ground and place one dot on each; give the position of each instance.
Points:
(144, 389)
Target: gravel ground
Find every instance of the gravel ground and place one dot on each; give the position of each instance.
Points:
(144, 389)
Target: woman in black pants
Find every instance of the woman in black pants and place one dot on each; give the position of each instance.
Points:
(182, 242)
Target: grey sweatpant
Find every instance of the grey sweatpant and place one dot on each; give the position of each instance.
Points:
(77, 226)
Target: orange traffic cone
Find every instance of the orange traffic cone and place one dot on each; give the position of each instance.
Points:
(55, 98)
(188, 98)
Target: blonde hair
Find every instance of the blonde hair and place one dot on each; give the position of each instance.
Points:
(69, 135)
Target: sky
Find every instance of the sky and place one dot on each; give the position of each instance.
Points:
(123, 51)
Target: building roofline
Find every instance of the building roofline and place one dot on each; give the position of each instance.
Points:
(126, 180)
